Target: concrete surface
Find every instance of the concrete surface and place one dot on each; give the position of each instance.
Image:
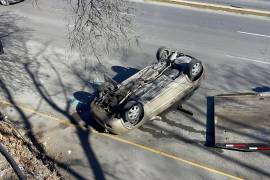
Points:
(215, 7)
(242, 114)
(235, 49)
(252, 4)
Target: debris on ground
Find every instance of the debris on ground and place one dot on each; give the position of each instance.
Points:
(24, 154)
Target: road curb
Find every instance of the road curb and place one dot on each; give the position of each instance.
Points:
(215, 7)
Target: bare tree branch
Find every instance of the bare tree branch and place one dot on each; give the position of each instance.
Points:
(100, 26)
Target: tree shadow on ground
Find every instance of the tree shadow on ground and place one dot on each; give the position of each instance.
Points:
(261, 89)
(21, 68)
(123, 73)
(83, 109)
(156, 130)
(27, 66)
(83, 134)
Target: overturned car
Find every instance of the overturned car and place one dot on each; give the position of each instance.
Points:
(149, 92)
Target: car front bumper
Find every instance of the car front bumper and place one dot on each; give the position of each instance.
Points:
(110, 123)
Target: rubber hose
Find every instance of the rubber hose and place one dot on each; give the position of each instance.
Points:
(12, 162)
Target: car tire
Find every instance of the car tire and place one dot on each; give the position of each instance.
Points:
(4, 2)
(133, 112)
(163, 53)
(195, 69)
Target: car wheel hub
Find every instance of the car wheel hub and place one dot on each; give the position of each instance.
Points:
(4, 2)
(196, 69)
(133, 113)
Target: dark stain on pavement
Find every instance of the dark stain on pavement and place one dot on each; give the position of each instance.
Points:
(156, 133)
(218, 150)
(159, 133)
(181, 126)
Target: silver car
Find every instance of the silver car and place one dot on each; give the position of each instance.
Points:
(149, 92)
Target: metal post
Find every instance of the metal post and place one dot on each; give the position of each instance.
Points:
(210, 124)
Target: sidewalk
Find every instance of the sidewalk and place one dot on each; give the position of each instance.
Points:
(262, 8)
(250, 4)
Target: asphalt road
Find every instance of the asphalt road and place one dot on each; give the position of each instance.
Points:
(235, 49)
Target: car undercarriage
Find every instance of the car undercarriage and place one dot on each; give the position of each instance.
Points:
(130, 95)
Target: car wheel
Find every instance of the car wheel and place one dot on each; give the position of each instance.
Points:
(195, 69)
(163, 53)
(4, 2)
(133, 112)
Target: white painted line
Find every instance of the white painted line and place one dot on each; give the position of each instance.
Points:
(248, 59)
(253, 148)
(254, 34)
(229, 145)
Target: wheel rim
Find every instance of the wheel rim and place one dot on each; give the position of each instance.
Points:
(164, 55)
(134, 113)
(5, 3)
(196, 69)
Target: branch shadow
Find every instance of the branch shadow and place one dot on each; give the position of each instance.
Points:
(25, 68)
(155, 130)
(261, 89)
(123, 73)
(82, 103)
(83, 134)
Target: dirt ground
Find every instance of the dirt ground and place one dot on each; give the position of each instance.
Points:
(24, 153)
